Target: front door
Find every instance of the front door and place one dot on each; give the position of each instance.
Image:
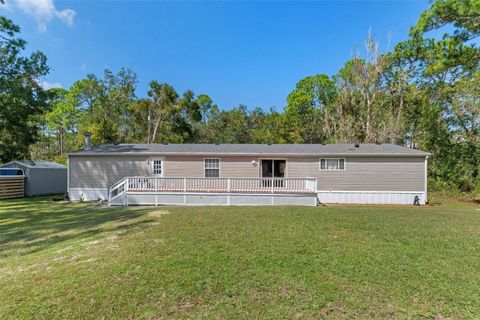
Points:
(273, 168)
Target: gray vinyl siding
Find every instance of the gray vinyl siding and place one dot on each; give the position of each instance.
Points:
(103, 171)
(193, 166)
(364, 174)
(181, 166)
(239, 167)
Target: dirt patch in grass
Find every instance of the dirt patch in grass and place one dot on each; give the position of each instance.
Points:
(158, 213)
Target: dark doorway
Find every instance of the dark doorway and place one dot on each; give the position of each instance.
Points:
(272, 168)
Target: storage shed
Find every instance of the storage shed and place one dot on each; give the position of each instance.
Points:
(41, 177)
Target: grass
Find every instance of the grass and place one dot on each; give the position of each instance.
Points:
(61, 260)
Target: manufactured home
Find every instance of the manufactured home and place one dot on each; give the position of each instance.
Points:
(248, 174)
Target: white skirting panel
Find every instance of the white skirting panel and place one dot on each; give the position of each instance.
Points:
(214, 199)
(89, 194)
(371, 197)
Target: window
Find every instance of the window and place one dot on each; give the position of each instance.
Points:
(332, 164)
(157, 167)
(212, 168)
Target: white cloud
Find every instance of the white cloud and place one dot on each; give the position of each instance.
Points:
(49, 85)
(44, 11)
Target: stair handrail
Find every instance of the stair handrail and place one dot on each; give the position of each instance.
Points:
(117, 185)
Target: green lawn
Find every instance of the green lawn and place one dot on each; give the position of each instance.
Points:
(62, 260)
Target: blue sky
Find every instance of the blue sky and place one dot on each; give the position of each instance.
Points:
(250, 53)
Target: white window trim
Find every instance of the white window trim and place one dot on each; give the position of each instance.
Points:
(151, 161)
(338, 159)
(219, 167)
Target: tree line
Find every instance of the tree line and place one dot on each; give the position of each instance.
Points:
(425, 94)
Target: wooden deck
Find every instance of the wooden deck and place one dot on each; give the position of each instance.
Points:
(213, 191)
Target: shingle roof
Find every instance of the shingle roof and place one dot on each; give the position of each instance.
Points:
(40, 164)
(274, 149)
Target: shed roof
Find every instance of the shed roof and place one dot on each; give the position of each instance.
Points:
(36, 164)
(239, 149)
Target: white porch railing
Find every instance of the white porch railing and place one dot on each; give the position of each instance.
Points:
(243, 185)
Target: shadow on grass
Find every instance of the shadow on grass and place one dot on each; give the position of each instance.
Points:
(33, 224)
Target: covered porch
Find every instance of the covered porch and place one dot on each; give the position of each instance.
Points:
(150, 190)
